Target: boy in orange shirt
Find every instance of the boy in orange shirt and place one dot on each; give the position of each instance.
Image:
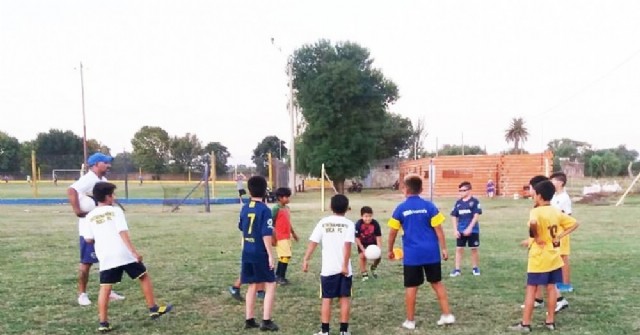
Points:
(283, 232)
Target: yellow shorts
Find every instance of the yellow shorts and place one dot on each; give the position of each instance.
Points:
(283, 248)
(565, 246)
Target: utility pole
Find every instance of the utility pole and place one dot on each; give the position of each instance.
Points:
(292, 177)
(84, 124)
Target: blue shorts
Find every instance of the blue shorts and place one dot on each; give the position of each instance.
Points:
(336, 286)
(544, 278)
(252, 273)
(87, 252)
(134, 270)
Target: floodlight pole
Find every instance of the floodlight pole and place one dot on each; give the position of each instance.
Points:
(84, 123)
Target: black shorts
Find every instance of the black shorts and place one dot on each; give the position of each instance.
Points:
(336, 286)
(242, 192)
(252, 273)
(414, 274)
(472, 241)
(112, 276)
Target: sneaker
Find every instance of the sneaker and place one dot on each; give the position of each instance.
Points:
(104, 327)
(536, 304)
(251, 323)
(409, 325)
(475, 271)
(320, 333)
(235, 293)
(519, 327)
(345, 333)
(373, 272)
(83, 299)
(282, 281)
(550, 325)
(260, 295)
(158, 311)
(115, 296)
(447, 319)
(562, 304)
(365, 277)
(270, 326)
(455, 273)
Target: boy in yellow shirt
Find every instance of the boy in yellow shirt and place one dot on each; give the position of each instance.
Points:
(547, 226)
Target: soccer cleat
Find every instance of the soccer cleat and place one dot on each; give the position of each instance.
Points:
(320, 333)
(83, 300)
(536, 304)
(235, 293)
(561, 304)
(519, 327)
(476, 271)
(550, 325)
(365, 277)
(282, 281)
(113, 296)
(447, 319)
(269, 326)
(455, 273)
(158, 311)
(104, 327)
(411, 325)
(260, 295)
(250, 324)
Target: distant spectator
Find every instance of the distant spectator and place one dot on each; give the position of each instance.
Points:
(140, 179)
(55, 179)
(6, 179)
(491, 188)
(240, 186)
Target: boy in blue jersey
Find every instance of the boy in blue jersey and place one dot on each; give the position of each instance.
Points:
(465, 215)
(257, 259)
(422, 243)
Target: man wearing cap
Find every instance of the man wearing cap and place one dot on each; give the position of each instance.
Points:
(99, 164)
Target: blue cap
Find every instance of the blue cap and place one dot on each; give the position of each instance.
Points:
(99, 157)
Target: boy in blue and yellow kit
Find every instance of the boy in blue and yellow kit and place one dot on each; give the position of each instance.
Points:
(547, 226)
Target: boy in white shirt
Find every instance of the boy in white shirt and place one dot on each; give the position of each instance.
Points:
(337, 234)
(562, 201)
(108, 230)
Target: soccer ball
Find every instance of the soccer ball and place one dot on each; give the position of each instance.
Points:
(87, 204)
(372, 252)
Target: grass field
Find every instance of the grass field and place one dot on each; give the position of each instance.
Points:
(193, 256)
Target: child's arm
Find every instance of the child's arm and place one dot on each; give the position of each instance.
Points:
(127, 242)
(533, 232)
(567, 231)
(454, 220)
(346, 258)
(267, 242)
(442, 242)
(359, 244)
(392, 239)
(294, 235)
(473, 222)
(379, 241)
(307, 255)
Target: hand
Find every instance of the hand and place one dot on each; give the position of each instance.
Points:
(137, 256)
(270, 263)
(445, 254)
(524, 243)
(305, 265)
(345, 270)
(391, 255)
(467, 232)
(81, 214)
(457, 234)
(295, 237)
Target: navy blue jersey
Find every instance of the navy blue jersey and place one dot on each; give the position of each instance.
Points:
(368, 232)
(255, 223)
(464, 211)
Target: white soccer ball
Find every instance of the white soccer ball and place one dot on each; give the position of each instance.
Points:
(372, 252)
(87, 204)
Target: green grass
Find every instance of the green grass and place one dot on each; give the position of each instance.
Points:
(193, 256)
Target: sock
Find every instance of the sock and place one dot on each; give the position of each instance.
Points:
(279, 270)
(325, 327)
(154, 308)
(283, 274)
(540, 300)
(560, 298)
(266, 322)
(104, 324)
(260, 292)
(344, 326)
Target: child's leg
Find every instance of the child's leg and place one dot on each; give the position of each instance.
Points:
(83, 277)
(529, 299)
(459, 253)
(147, 290)
(325, 311)
(376, 263)
(237, 283)
(410, 301)
(345, 310)
(250, 301)
(566, 270)
(475, 257)
(363, 263)
(283, 263)
(441, 293)
(269, 299)
(103, 302)
(552, 296)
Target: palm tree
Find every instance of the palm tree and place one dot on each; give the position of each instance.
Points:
(516, 133)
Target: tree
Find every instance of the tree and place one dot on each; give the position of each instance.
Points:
(342, 99)
(396, 136)
(516, 133)
(151, 149)
(184, 150)
(567, 148)
(95, 146)
(222, 155)
(58, 149)
(269, 144)
(10, 154)
(124, 162)
(417, 138)
(455, 150)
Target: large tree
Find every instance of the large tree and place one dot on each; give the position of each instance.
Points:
(455, 150)
(395, 137)
(184, 151)
(58, 149)
(269, 144)
(343, 100)
(516, 133)
(222, 155)
(567, 148)
(151, 149)
(10, 154)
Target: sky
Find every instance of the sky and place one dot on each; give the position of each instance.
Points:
(569, 68)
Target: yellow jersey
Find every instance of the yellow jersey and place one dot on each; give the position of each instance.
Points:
(550, 223)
